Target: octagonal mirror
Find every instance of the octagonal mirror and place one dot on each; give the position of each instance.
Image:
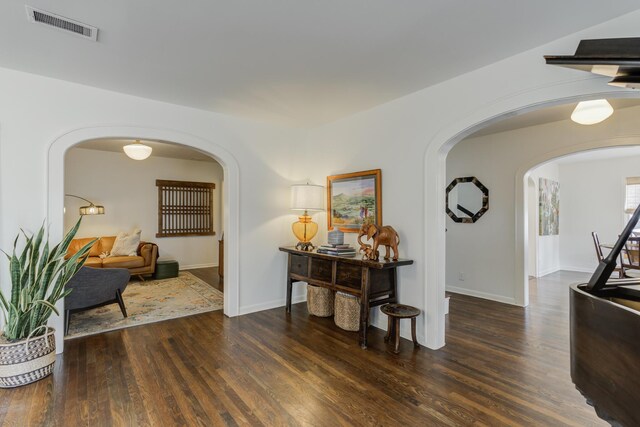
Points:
(467, 199)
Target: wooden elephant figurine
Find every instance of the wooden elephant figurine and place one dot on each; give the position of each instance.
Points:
(385, 236)
(367, 252)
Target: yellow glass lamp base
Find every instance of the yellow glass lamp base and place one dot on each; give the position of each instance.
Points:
(304, 230)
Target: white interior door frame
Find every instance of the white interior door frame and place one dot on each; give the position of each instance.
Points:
(231, 197)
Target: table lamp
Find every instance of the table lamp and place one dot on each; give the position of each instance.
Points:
(306, 197)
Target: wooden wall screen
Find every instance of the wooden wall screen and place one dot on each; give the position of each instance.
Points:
(185, 208)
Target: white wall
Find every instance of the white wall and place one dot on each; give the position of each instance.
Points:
(127, 189)
(405, 138)
(592, 200)
(547, 247)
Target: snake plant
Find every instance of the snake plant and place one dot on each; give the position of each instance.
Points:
(38, 278)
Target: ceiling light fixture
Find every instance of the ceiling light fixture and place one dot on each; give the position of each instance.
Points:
(137, 150)
(592, 112)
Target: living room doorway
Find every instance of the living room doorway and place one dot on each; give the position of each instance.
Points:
(518, 159)
(160, 218)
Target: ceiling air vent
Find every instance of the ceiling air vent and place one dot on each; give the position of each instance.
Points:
(61, 23)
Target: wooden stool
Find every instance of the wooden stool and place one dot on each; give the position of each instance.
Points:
(394, 313)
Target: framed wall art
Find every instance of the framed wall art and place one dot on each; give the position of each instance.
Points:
(353, 198)
(549, 205)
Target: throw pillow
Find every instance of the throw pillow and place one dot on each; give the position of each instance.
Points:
(126, 244)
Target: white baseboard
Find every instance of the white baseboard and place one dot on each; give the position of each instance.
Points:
(579, 269)
(194, 266)
(295, 299)
(542, 273)
(480, 294)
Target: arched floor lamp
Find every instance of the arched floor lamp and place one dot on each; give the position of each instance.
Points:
(92, 209)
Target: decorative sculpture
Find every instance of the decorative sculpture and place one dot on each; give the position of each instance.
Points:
(381, 235)
(367, 252)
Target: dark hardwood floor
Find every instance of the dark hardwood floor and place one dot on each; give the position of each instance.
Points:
(502, 365)
(209, 275)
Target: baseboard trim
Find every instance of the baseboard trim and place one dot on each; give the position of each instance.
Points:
(194, 266)
(295, 299)
(549, 271)
(579, 269)
(483, 295)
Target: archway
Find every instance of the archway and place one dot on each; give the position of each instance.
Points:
(522, 178)
(435, 183)
(55, 197)
(532, 258)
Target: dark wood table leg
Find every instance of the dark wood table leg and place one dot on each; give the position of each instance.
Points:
(289, 285)
(393, 298)
(397, 336)
(389, 327)
(364, 307)
(289, 289)
(413, 333)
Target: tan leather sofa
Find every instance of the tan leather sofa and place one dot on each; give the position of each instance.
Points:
(144, 262)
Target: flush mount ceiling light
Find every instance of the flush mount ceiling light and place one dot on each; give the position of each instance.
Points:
(137, 150)
(592, 112)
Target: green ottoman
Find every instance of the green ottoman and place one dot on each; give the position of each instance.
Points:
(166, 269)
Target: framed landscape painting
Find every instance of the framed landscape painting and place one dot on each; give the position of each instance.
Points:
(353, 198)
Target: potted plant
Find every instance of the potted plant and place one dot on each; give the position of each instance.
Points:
(38, 278)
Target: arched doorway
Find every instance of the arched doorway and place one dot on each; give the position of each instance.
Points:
(532, 258)
(522, 201)
(435, 183)
(55, 196)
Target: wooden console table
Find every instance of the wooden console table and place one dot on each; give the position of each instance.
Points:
(375, 283)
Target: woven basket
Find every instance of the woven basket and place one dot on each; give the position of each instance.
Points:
(319, 301)
(25, 362)
(347, 315)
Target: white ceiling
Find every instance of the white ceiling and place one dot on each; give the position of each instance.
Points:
(160, 149)
(544, 116)
(301, 62)
(600, 154)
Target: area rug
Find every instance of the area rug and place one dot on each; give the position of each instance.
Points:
(148, 302)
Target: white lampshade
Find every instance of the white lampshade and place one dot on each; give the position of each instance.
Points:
(137, 150)
(592, 112)
(307, 197)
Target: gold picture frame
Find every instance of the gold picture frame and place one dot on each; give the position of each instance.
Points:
(353, 198)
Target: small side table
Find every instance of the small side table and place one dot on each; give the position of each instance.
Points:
(394, 313)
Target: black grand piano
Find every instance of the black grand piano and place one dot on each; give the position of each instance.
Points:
(605, 339)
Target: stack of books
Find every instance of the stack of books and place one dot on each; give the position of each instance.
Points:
(340, 250)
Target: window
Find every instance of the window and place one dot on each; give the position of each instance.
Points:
(632, 196)
(185, 208)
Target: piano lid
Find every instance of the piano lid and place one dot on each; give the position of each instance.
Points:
(616, 58)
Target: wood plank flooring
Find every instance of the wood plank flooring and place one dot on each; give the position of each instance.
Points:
(209, 275)
(503, 365)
